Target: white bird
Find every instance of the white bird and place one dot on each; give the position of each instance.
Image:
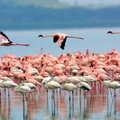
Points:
(51, 83)
(29, 84)
(82, 79)
(70, 87)
(46, 79)
(106, 82)
(7, 42)
(22, 88)
(7, 84)
(60, 38)
(84, 86)
(114, 84)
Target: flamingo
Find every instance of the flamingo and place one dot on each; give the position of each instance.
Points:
(60, 38)
(29, 84)
(69, 87)
(23, 89)
(114, 84)
(72, 79)
(84, 86)
(8, 84)
(51, 83)
(7, 42)
(111, 32)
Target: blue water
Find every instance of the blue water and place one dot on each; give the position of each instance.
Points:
(37, 106)
(95, 39)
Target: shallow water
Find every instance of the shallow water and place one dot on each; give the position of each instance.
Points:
(38, 105)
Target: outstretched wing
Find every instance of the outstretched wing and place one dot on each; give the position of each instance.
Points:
(62, 44)
(55, 38)
(4, 37)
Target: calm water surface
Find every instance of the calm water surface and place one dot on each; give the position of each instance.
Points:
(40, 106)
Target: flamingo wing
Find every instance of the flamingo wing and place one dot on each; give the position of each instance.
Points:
(62, 43)
(4, 37)
(55, 38)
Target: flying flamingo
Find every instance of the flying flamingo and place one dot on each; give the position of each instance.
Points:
(111, 32)
(7, 42)
(60, 38)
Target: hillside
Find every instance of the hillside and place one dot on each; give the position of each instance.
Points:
(35, 3)
(18, 16)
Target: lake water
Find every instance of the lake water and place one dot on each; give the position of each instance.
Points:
(95, 39)
(95, 105)
(37, 105)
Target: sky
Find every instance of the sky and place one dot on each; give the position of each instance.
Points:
(93, 2)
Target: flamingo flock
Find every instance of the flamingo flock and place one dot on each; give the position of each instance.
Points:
(67, 72)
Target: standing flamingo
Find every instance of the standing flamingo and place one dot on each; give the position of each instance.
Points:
(69, 87)
(84, 86)
(7, 42)
(60, 38)
(7, 84)
(23, 89)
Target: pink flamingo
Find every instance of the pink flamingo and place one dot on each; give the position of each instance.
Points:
(60, 38)
(111, 32)
(7, 42)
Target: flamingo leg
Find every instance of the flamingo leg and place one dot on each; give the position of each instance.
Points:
(69, 96)
(23, 106)
(8, 92)
(115, 101)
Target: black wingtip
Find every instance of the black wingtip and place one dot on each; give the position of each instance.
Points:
(40, 35)
(1, 32)
(62, 48)
(109, 32)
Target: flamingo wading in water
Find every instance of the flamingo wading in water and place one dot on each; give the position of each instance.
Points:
(7, 42)
(60, 38)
